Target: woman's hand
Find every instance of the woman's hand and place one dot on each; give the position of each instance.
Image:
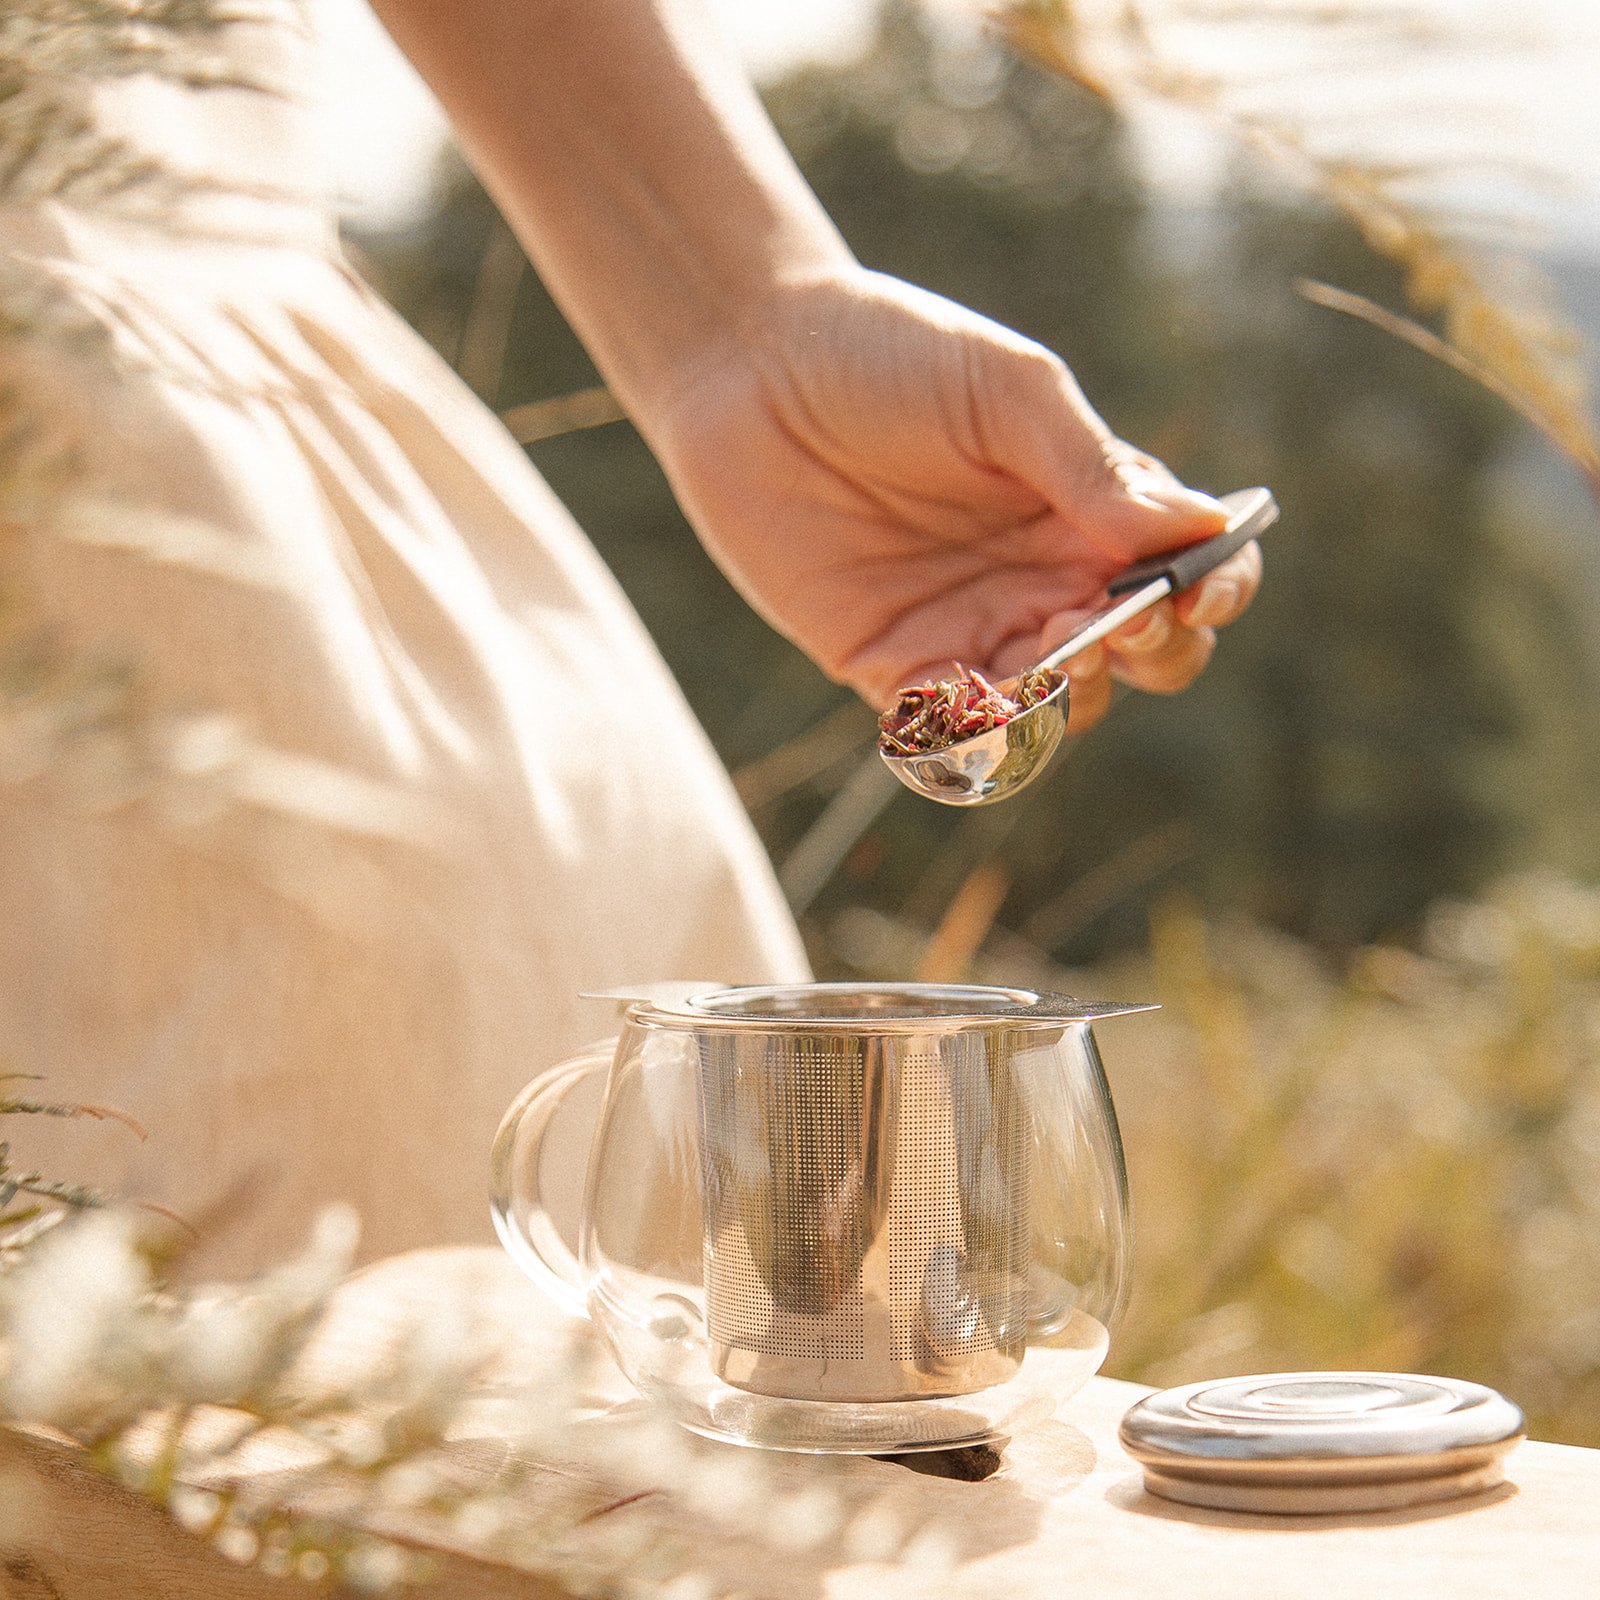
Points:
(895, 482)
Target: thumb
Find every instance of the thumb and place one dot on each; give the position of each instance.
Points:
(1138, 508)
(1122, 503)
(1145, 481)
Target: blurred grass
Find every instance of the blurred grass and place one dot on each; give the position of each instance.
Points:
(1502, 325)
(1393, 1164)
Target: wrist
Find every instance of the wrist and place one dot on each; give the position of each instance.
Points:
(722, 313)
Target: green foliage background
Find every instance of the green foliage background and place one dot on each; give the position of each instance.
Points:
(1403, 718)
(1335, 770)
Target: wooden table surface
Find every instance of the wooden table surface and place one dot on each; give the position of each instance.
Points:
(1065, 1516)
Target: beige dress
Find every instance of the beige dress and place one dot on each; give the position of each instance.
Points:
(343, 768)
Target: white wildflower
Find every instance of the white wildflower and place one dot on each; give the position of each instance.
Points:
(275, 1561)
(196, 1509)
(230, 1340)
(931, 1553)
(689, 1586)
(359, 1441)
(411, 1483)
(237, 1543)
(430, 1373)
(375, 1568)
(643, 1449)
(479, 1523)
(314, 1275)
(72, 1317)
(721, 1486)
(222, 1345)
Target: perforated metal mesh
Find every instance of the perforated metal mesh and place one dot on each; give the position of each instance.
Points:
(958, 1219)
(782, 1159)
(865, 1198)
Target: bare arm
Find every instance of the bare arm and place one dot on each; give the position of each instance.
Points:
(890, 479)
(634, 161)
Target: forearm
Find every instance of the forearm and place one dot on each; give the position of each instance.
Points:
(636, 164)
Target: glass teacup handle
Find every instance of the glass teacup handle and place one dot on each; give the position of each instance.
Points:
(521, 1216)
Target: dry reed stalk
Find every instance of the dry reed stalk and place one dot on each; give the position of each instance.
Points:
(1496, 307)
(1135, 866)
(566, 413)
(806, 757)
(965, 925)
(1566, 428)
(486, 330)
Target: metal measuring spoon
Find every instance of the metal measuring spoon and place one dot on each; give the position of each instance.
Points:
(990, 766)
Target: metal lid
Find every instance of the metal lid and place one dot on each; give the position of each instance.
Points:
(1321, 1441)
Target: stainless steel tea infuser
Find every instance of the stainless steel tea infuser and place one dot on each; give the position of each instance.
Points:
(833, 1216)
(866, 1208)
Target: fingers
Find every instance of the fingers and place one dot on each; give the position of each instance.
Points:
(1089, 689)
(1157, 653)
(1222, 595)
(1163, 649)
(1121, 502)
(1135, 485)
(1154, 653)
(1132, 506)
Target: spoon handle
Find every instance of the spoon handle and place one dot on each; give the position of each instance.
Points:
(1252, 511)
(1137, 588)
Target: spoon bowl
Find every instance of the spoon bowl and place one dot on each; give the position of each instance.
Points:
(991, 765)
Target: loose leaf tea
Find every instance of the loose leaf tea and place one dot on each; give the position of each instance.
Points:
(934, 716)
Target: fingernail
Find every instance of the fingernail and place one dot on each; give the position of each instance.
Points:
(1217, 601)
(1150, 634)
(1175, 497)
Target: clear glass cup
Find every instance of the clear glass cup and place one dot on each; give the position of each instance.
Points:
(833, 1217)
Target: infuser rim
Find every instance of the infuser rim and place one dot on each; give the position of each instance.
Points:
(877, 1007)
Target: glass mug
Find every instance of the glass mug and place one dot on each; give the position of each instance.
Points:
(832, 1217)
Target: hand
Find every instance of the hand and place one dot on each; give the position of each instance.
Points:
(895, 482)
(892, 481)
